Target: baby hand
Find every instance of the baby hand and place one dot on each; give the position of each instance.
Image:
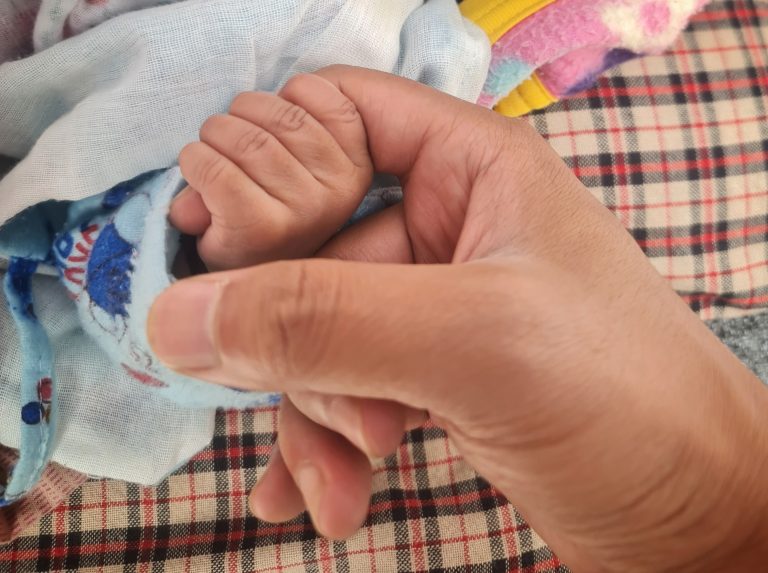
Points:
(274, 178)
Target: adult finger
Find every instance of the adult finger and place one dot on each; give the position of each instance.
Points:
(276, 498)
(375, 427)
(463, 168)
(333, 476)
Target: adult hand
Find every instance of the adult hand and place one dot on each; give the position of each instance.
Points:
(505, 301)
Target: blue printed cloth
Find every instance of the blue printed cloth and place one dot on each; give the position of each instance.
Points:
(96, 123)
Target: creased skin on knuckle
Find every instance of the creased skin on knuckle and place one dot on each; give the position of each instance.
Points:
(210, 171)
(281, 335)
(305, 319)
(347, 112)
(252, 141)
(288, 320)
(243, 335)
(291, 118)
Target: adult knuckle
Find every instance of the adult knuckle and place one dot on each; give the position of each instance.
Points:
(300, 317)
(276, 337)
(233, 335)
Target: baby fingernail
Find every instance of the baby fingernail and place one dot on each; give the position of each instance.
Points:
(180, 326)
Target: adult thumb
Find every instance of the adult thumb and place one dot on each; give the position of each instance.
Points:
(393, 332)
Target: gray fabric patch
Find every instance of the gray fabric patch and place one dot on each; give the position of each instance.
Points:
(747, 337)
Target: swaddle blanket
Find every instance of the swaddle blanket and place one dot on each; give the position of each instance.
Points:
(96, 120)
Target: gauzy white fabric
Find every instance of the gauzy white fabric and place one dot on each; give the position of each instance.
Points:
(123, 98)
(109, 426)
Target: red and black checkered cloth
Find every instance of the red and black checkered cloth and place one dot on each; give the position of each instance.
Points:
(676, 146)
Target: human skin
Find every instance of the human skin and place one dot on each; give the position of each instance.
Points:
(502, 299)
(272, 180)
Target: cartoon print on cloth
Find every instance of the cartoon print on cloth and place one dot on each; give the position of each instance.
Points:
(113, 264)
(96, 261)
(33, 413)
(119, 98)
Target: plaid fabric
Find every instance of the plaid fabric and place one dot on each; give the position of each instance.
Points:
(676, 146)
(55, 486)
(430, 512)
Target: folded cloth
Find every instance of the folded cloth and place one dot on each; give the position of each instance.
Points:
(96, 122)
(55, 486)
(547, 49)
(123, 98)
(62, 19)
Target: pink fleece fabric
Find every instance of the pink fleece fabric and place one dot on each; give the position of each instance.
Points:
(569, 41)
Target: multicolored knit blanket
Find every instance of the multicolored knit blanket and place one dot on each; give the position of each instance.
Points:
(544, 50)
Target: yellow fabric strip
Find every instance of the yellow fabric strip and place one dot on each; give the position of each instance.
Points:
(497, 17)
(527, 97)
